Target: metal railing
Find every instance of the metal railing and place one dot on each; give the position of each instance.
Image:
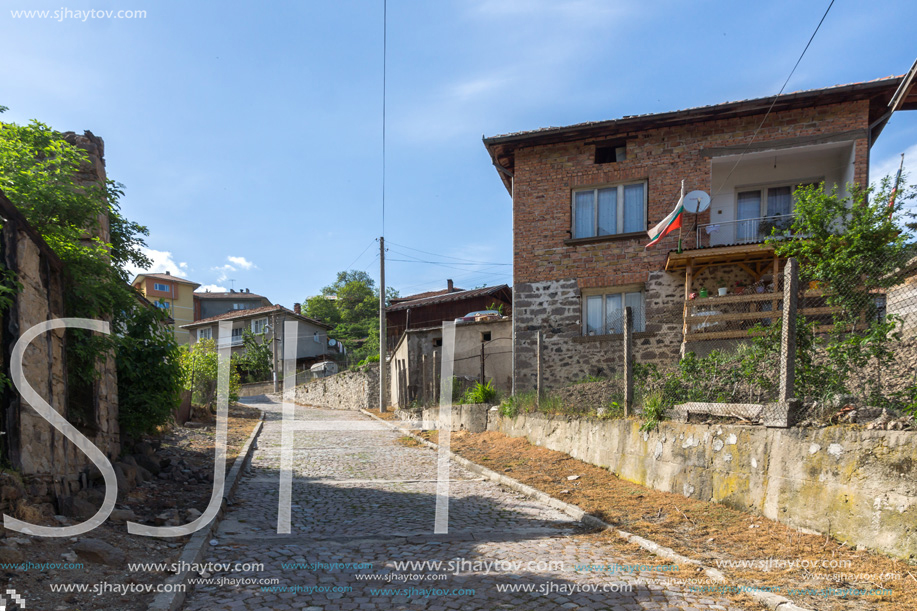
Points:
(743, 231)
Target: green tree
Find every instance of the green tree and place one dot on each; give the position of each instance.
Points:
(39, 172)
(254, 362)
(200, 370)
(149, 371)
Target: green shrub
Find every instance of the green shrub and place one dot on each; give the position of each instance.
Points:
(653, 412)
(480, 393)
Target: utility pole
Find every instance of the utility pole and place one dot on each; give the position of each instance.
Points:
(383, 370)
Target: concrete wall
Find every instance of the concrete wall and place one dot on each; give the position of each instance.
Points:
(345, 390)
(256, 388)
(856, 485)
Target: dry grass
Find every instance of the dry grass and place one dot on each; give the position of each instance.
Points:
(698, 529)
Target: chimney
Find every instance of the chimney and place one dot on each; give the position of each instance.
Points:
(247, 291)
(297, 308)
(168, 273)
(449, 284)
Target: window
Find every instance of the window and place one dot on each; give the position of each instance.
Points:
(437, 342)
(161, 287)
(259, 326)
(611, 153)
(237, 336)
(603, 313)
(609, 210)
(760, 209)
(163, 305)
(204, 333)
(239, 306)
(485, 336)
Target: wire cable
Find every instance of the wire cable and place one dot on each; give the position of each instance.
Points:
(444, 256)
(771, 107)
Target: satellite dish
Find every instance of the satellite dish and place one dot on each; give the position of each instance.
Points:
(696, 202)
(332, 342)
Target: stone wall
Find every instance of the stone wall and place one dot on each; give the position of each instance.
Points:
(44, 457)
(345, 390)
(556, 309)
(854, 484)
(255, 389)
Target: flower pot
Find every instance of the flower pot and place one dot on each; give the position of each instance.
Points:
(703, 292)
(722, 291)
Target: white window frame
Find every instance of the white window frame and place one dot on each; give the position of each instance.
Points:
(163, 305)
(763, 190)
(255, 326)
(161, 287)
(204, 333)
(595, 208)
(604, 294)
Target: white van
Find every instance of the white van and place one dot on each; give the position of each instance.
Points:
(324, 369)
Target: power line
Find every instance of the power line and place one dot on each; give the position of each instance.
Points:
(755, 135)
(444, 256)
(360, 255)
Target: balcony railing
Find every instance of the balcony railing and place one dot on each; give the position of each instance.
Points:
(744, 231)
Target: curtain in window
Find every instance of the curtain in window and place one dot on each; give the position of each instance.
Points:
(633, 209)
(608, 211)
(584, 214)
(748, 211)
(594, 315)
(779, 201)
(614, 314)
(634, 301)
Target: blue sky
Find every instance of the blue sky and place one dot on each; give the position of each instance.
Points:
(249, 135)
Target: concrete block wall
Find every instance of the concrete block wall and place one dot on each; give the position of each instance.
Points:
(855, 485)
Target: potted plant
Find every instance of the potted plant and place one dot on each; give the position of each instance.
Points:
(703, 292)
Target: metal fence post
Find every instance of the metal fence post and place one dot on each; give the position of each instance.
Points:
(538, 359)
(628, 361)
(787, 404)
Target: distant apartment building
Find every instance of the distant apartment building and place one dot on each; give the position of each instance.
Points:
(208, 305)
(173, 294)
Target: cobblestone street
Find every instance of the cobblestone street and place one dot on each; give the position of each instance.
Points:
(361, 497)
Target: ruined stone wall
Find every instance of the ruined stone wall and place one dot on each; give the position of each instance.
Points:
(853, 484)
(345, 390)
(45, 458)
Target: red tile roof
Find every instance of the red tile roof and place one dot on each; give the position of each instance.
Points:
(166, 277)
(271, 309)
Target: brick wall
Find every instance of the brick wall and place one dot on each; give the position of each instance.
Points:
(549, 275)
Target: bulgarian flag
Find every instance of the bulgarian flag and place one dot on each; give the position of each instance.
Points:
(669, 223)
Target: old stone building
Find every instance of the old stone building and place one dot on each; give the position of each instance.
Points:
(43, 456)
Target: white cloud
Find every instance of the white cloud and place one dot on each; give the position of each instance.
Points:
(224, 272)
(241, 262)
(162, 262)
(212, 288)
(888, 166)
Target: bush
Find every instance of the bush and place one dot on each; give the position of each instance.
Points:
(480, 393)
(653, 412)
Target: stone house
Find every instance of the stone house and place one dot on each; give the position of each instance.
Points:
(313, 345)
(430, 309)
(585, 195)
(483, 348)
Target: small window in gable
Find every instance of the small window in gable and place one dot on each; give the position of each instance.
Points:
(612, 152)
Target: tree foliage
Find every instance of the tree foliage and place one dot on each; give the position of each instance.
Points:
(40, 173)
(255, 362)
(351, 304)
(200, 371)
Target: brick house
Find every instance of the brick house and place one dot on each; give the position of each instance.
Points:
(584, 197)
